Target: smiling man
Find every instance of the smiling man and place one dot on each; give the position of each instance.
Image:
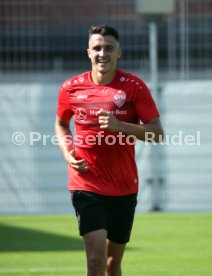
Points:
(111, 109)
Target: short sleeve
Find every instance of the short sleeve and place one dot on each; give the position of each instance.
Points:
(144, 103)
(64, 111)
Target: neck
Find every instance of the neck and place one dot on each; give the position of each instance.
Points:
(99, 78)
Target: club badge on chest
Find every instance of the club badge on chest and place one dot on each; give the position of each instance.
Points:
(119, 98)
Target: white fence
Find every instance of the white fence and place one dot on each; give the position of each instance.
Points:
(33, 177)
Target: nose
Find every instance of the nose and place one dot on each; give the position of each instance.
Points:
(102, 52)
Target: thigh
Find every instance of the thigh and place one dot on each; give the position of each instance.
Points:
(90, 212)
(115, 251)
(95, 243)
(121, 213)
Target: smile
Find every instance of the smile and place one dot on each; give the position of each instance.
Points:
(102, 62)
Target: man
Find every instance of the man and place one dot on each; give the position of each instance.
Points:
(108, 106)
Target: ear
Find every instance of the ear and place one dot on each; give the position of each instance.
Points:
(88, 52)
(119, 53)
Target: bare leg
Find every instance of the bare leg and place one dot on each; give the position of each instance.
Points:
(95, 245)
(115, 253)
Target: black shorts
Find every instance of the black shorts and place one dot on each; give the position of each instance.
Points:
(112, 213)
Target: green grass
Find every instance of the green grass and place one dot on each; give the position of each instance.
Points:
(166, 244)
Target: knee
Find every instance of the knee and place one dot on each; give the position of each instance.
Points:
(113, 262)
(96, 265)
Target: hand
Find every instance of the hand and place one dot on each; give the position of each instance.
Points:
(79, 165)
(108, 121)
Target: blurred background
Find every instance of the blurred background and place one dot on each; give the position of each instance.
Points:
(168, 45)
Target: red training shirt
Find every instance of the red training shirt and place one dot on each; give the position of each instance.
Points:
(110, 155)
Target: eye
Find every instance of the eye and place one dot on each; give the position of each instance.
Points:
(109, 48)
(97, 48)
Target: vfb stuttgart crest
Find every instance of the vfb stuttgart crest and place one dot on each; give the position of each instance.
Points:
(119, 98)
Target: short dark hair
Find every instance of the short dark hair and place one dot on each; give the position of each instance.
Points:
(104, 30)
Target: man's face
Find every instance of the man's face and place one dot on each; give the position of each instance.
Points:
(103, 52)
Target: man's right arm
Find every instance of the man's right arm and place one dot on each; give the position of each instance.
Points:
(65, 143)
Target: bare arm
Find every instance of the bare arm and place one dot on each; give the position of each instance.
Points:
(64, 137)
(151, 131)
